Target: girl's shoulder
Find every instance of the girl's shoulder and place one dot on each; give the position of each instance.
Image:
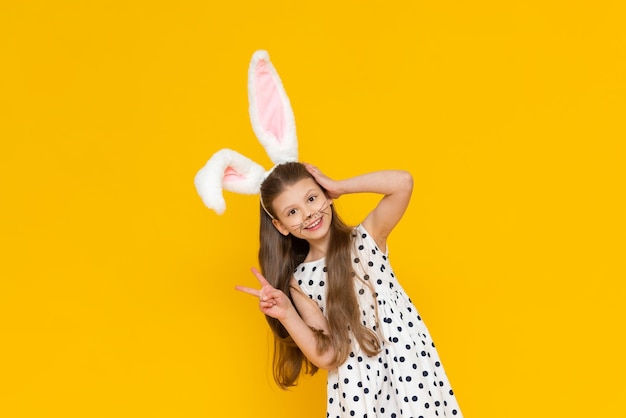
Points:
(363, 239)
(359, 232)
(360, 229)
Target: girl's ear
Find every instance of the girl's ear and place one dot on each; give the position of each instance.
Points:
(280, 227)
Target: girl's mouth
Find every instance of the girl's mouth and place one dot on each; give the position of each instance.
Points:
(315, 224)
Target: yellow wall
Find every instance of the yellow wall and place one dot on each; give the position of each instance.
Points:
(117, 286)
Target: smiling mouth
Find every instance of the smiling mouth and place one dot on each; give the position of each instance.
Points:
(314, 224)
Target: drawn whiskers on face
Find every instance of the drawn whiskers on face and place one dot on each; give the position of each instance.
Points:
(315, 216)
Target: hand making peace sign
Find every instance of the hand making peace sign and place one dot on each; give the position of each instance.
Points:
(272, 301)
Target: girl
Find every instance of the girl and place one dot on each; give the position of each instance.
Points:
(333, 301)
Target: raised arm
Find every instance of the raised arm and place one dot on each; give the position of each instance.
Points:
(395, 185)
(304, 327)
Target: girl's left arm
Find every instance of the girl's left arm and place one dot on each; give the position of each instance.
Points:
(308, 328)
(396, 187)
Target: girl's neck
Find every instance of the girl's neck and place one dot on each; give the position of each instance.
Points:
(317, 250)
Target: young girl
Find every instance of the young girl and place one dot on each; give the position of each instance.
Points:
(327, 289)
(333, 302)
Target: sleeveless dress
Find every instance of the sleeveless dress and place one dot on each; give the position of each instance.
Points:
(406, 379)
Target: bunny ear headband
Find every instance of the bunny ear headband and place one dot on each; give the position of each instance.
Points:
(274, 126)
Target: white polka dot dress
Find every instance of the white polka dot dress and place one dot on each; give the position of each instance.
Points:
(407, 378)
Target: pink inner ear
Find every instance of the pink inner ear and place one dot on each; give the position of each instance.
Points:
(230, 174)
(269, 104)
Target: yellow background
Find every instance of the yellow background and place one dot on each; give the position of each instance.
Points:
(117, 286)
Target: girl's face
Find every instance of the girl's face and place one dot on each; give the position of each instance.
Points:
(303, 210)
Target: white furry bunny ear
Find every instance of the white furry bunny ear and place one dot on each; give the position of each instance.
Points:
(272, 122)
(229, 170)
(270, 110)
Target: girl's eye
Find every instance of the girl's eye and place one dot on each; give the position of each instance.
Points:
(291, 212)
(312, 198)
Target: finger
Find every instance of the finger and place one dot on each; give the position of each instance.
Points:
(272, 293)
(249, 290)
(260, 277)
(267, 305)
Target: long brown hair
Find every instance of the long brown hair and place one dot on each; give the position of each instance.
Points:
(279, 255)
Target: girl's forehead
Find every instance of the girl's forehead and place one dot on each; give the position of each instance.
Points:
(299, 189)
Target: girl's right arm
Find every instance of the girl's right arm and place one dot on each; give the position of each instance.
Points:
(303, 327)
(396, 187)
